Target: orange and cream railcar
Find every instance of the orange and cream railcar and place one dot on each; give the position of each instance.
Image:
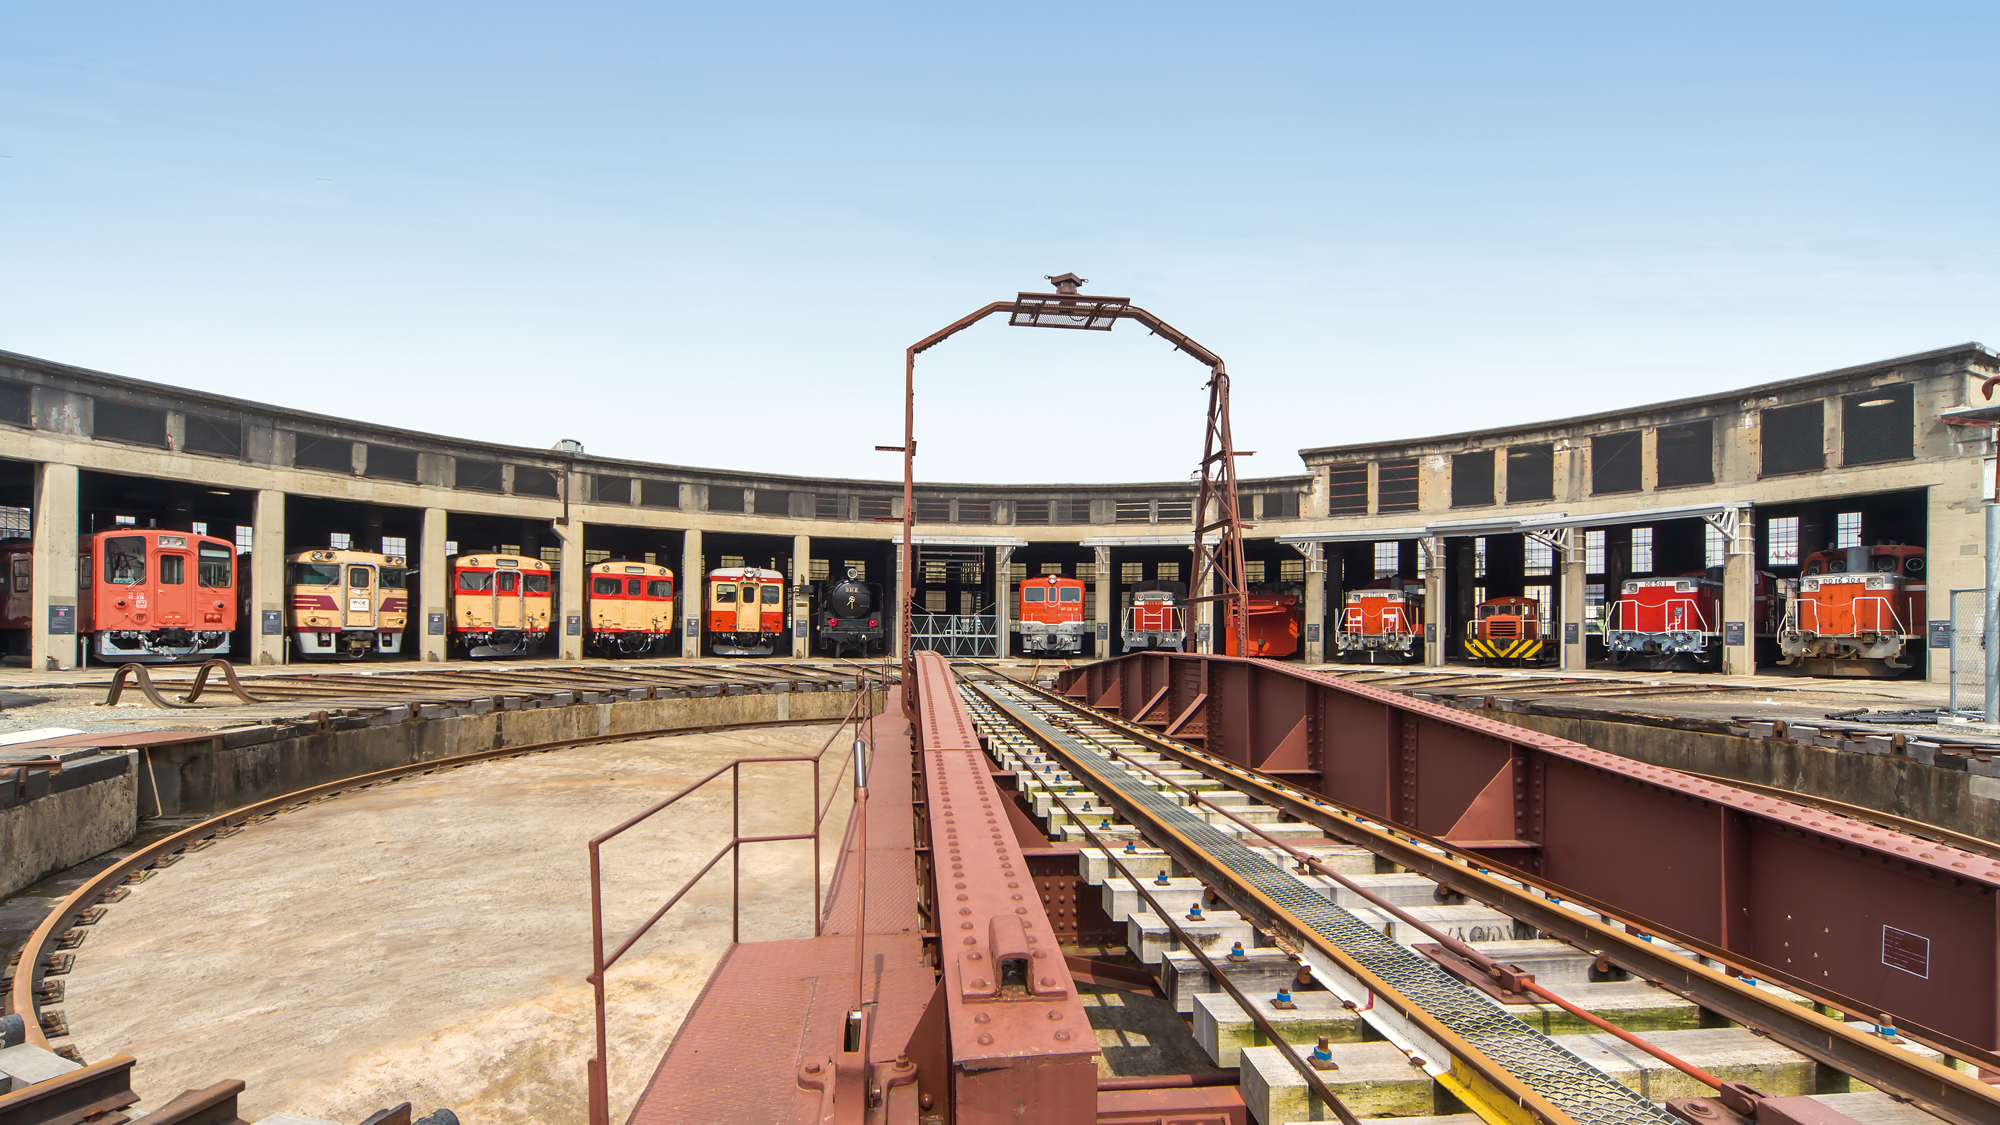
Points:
(498, 605)
(1381, 624)
(746, 611)
(148, 596)
(350, 604)
(630, 608)
(1052, 615)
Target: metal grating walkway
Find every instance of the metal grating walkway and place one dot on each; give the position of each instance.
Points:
(1587, 1094)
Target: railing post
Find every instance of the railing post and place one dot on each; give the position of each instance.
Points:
(736, 852)
(817, 908)
(600, 1090)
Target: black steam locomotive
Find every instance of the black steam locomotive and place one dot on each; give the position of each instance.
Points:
(850, 616)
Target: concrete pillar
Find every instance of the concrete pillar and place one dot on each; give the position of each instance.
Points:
(801, 602)
(1107, 613)
(1739, 602)
(1003, 596)
(1574, 577)
(53, 642)
(432, 573)
(568, 624)
(694, 588)
(1315, 638)
(267, 578)
(1436, 641)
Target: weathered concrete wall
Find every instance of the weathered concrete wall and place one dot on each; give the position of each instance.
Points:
(239, 767)
(1921, 784)
(62, 828)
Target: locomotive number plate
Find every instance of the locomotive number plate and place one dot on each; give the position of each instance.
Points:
(358, 605)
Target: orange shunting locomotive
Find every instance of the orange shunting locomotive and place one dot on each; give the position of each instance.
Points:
(1857, 612)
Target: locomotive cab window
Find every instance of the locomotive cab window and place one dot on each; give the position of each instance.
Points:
(660, 588)
(124, 561)
(636, 587)
(1072, 594)
(359, 577)
(535, 583)
(477, 581)
(772, 595)
(1034, 594)
(506, 581)
(604, 585)
(393, 577)
(725, 595)
(213, 567)
(173, 570)
(313, 574)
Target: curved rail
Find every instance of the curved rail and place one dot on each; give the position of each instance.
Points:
(35, 951)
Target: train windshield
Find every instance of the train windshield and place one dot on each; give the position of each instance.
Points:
(1034, 594)
(124, 561)
(660, 588)
(477, 581)
(312, 574)
(605, 585)
(393, 577)
(725, 595)
(506, 581)
(636, 587)
(772, 595)
(213, 567)
(173, 570)
(359, 577)
(1072, 594)
(535, 583)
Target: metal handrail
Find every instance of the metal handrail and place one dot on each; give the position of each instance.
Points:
(600, 1094)
(1612, 619)
(1886, 609)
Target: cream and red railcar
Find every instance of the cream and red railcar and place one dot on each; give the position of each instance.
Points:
(498, 605)
(1052, 616)
(1380, 625)
(1856, 612)
(147, 596)
(1157, 617)
(746, 611)
(629, 607)
(346, 604)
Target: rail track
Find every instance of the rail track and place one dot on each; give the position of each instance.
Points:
(33, 988)
(1421, 947)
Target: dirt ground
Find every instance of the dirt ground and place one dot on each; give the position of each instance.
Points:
(428, 941)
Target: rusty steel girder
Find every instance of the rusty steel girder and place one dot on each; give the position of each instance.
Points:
(1868, 920)
(1021, 1044)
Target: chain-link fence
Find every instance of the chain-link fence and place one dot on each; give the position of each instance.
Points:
(1968, 651)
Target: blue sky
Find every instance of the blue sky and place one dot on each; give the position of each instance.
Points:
(704, 235)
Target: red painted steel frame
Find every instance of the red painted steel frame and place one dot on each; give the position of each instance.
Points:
(1840, 909)
(599, 1108)
(1020, 1040)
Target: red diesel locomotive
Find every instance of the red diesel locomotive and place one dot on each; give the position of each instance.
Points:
(1274, 622)
(1052, 615)
(1856, 612)
(1381, 624)
(1668, 623)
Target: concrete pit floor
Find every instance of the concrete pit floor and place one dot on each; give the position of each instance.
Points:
(428, 941)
